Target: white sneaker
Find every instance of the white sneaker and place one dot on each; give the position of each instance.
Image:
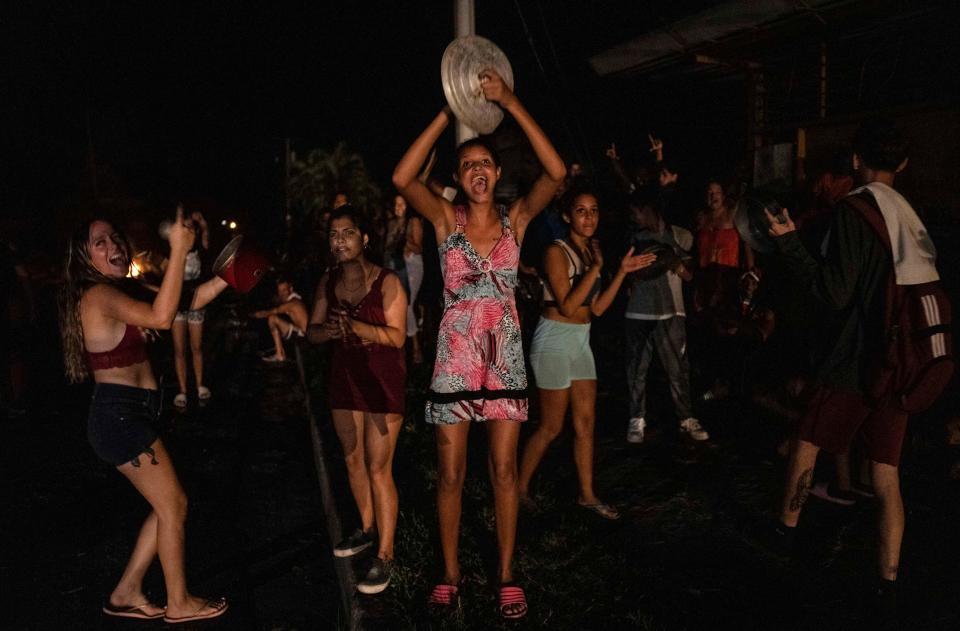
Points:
(635, 430)
(692, 428)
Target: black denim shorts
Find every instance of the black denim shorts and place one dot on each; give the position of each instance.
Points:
(120, 426)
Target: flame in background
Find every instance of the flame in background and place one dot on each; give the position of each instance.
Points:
(136, 267)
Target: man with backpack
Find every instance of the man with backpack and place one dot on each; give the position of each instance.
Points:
(877, 249)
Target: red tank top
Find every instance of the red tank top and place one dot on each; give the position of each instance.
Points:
(720, 246)
(131, 350)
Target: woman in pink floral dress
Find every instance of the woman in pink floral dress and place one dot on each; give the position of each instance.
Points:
(479, 374)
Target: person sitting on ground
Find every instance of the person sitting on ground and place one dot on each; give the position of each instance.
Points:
(656, 318)
(286, 321)
(560, 355)
(102, 327)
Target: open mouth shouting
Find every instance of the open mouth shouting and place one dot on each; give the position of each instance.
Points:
(119, 259)
(478, 184)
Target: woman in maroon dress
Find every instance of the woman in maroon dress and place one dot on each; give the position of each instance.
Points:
(362, 307)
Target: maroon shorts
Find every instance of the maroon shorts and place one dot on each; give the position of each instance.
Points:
(833, 418)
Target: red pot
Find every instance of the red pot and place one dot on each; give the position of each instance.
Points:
(242, 267)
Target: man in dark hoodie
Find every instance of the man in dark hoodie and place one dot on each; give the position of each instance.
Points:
(851, 283)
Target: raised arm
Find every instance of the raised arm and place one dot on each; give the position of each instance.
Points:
(434, 208)
(622, 179)
(113, 303)
(544, 188)
(834, 280)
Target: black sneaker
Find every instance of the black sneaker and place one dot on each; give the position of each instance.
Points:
(377, 578)
(774, 539)
(355, 543)
(883, 613)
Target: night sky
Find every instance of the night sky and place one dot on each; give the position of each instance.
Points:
(179, 100)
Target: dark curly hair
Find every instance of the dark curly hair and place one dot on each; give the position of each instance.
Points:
(579, 187)
(880, 144)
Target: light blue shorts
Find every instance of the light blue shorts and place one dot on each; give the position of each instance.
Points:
(560, 353)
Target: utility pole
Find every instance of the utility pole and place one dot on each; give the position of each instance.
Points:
(464, 23)
(92, 158)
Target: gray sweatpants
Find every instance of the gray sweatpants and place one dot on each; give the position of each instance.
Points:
(669, 338)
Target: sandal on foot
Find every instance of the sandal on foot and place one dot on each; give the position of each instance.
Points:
(444, 597)
(513, 602)
(180, 401)
(607, 511)
(203, 393)
(219, 606)
(133, 611)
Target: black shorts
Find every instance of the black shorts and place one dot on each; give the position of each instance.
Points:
(120, 424)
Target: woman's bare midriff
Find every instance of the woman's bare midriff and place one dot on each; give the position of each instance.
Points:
(137, 376)
(581, 316)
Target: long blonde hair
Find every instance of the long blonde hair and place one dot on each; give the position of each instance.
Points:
(80, 274)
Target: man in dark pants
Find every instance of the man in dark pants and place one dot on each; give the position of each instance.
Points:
(655, 319)
(851, 283)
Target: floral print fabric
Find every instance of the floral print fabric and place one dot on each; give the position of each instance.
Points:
(479, 373)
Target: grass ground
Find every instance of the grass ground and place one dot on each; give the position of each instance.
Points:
(682, 556)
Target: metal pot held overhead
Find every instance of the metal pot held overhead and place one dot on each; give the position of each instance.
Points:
(463, 61)
(752, 222)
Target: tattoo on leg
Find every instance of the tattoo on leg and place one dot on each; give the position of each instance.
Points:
(803, 488)
(149, 451)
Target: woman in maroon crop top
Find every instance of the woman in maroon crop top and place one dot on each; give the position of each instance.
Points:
(362, 307)
(100, 325)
